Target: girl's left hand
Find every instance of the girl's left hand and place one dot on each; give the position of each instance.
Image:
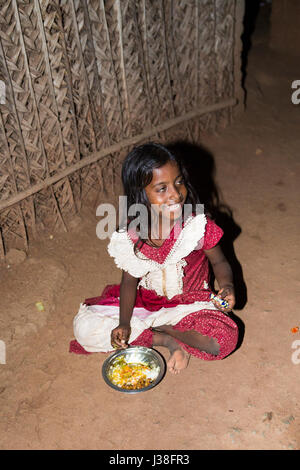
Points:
(226, 293)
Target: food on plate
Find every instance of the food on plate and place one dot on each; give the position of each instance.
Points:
(130, 375)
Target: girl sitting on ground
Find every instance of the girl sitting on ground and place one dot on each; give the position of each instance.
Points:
(164, 298)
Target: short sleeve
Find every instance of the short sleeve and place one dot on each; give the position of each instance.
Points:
(213, 234)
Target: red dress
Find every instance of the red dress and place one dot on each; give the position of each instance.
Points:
(209, 322)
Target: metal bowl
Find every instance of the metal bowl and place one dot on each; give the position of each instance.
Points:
(136, 355)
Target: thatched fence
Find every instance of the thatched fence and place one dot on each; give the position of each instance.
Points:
(84, 80)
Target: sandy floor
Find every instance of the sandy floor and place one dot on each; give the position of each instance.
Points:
(51, 399)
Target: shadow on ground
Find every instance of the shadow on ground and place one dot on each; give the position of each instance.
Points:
(201, 167)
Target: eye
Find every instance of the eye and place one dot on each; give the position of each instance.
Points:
(180, 181)
(162, 189)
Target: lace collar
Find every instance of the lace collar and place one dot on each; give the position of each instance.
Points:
(121, 248)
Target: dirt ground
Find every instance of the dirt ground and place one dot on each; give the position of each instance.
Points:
(51, 399)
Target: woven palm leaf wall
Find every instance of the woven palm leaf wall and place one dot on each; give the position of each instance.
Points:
(87, 79)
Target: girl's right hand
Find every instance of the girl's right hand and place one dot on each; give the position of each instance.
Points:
(120, 336)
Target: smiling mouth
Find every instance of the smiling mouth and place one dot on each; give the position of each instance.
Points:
(173, 207)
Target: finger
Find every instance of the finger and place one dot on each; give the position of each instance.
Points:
(125, 336)
(113, 337)
(116, 342)
(223, 293)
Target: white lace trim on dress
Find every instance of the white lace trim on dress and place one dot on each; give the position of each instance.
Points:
(165, 279)
(121, 248)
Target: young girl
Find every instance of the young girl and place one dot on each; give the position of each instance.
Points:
(164, 295)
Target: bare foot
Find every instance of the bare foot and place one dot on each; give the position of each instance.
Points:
(179, 358)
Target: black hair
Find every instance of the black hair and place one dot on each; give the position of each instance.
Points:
(137, 173)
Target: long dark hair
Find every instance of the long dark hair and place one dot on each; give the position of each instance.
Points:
(137, 173)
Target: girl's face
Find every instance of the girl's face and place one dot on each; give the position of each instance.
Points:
(167, 190)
